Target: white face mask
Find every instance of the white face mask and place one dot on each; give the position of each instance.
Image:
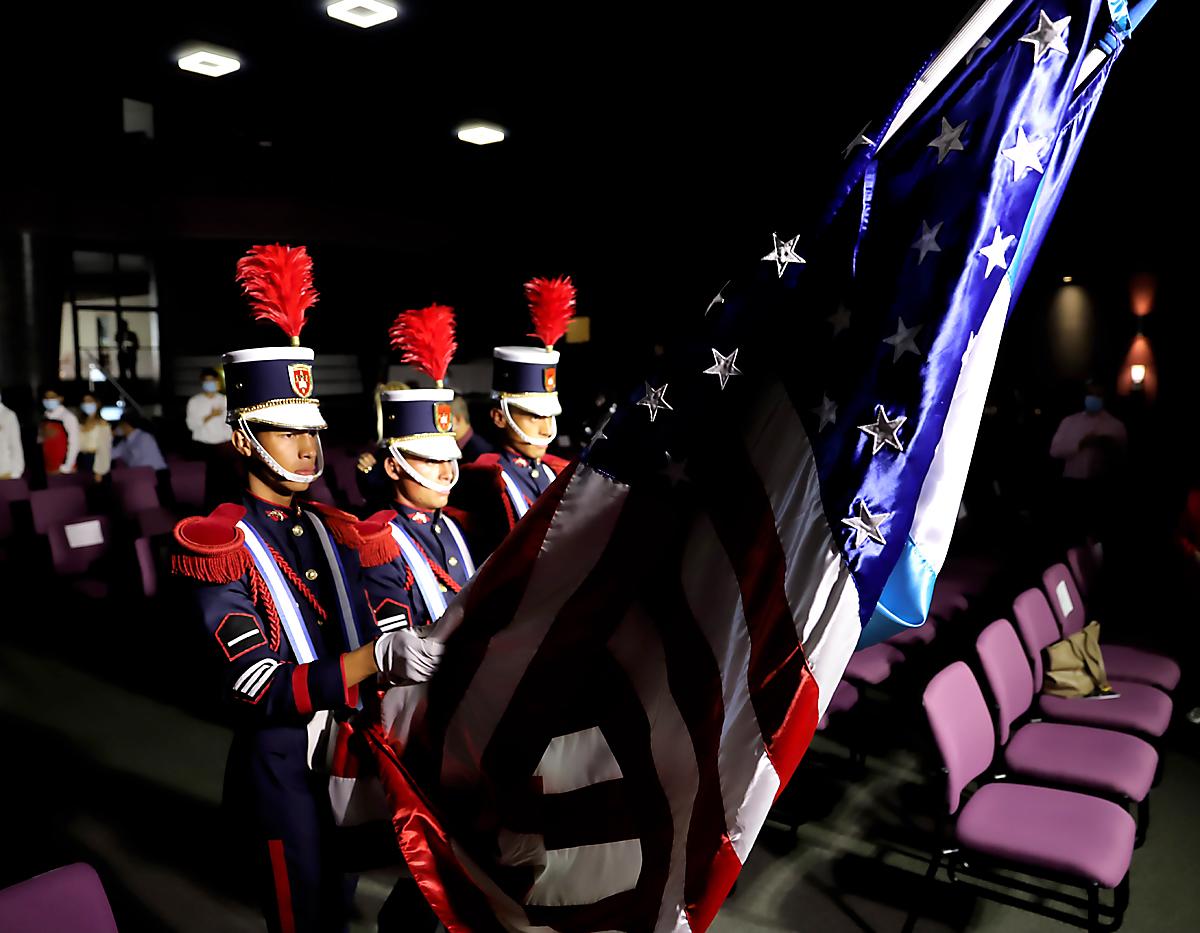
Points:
(50, 404)
(209, 386)
(88, 408)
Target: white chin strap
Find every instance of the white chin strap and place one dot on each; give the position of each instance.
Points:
(274, 465)
(525, 438)
(440, 488)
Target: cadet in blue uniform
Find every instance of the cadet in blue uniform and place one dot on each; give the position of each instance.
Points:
(279, 587)
(419, 456)
(498, 488)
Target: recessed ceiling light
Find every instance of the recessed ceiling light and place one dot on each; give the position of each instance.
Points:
(364, 13)
(1067, 280)
(209, 63)
(481, 134)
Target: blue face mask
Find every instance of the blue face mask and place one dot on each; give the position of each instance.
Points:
(208, 385)
(88, 408)
(49, 404)
(1093, 403)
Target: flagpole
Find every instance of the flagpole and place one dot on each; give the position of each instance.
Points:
(1095, 58)
(973, 29)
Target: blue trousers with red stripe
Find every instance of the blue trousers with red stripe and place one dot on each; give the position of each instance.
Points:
(280, 814)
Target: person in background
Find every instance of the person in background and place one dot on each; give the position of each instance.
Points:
(58, 435)
(95, 440)
(1091, 443)
(12, 455)
(469, 443)
(127, 351)
(137, 447)
(206, 416)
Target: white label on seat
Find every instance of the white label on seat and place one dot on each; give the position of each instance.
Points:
(1064, 599)
(84, 534)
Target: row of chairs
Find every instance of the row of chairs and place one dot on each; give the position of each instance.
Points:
(127, 521)
(1083, 767)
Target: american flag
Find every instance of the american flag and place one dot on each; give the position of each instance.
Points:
(632, 678)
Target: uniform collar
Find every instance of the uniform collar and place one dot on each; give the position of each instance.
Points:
(415, 516)
(520, 459)
(271, 511)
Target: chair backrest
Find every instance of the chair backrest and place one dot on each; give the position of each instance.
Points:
(68, 898)
(1082, 561)
(345, 472)
(318, 491)
(76, 480)
(1007, 673)
(155, 521)
(1064, 599)
(53, 506)
(77, 544)
(138, 496)
(187, 483)
(14, 490)
(139, 474)
(143, 548)
(961, 726)
(1038, 627)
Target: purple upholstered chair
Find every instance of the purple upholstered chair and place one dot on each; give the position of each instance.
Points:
(187, 484)
(66, 900)
(1140, 708)
(74, 555)
(14, 490)
(1122, 662)
(1114, 764)
(143, 549)
(54, 506)
(1059, 834)
(873, 665)
(845, 697)
(137, 495)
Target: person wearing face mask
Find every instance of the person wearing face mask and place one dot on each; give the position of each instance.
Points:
(420, 458)
(499, 488)
(1091, 443)
(206, 416)
(135, 447)
(277, 583)
(58, 435)
(95, 441)
(12, 454)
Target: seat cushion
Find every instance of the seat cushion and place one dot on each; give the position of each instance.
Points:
(919, 635)
(873, 665)
(1139, 708)
(1054, 830)
(844, 698)
(1085, 757)
(1140, 666)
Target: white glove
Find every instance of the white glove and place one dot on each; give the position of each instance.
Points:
(407, 657)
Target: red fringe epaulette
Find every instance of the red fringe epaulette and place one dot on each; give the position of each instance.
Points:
(377, 546)
(342, 525)
(211, 547)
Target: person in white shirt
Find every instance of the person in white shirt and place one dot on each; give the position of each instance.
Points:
(206, 415)
(12, 456)
(58, 435)
(95, 440)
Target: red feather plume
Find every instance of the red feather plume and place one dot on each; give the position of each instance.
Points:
(425, 337)
(551, 306)
(278, 281)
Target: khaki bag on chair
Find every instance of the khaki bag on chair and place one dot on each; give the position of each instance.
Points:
(1075, 666)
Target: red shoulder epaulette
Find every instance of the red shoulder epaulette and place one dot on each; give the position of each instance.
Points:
(211, 547)
(376, 545)
(557, 464)
(342, 525)
(483, 461)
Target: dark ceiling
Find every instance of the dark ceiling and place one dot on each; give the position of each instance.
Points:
(652, 144)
